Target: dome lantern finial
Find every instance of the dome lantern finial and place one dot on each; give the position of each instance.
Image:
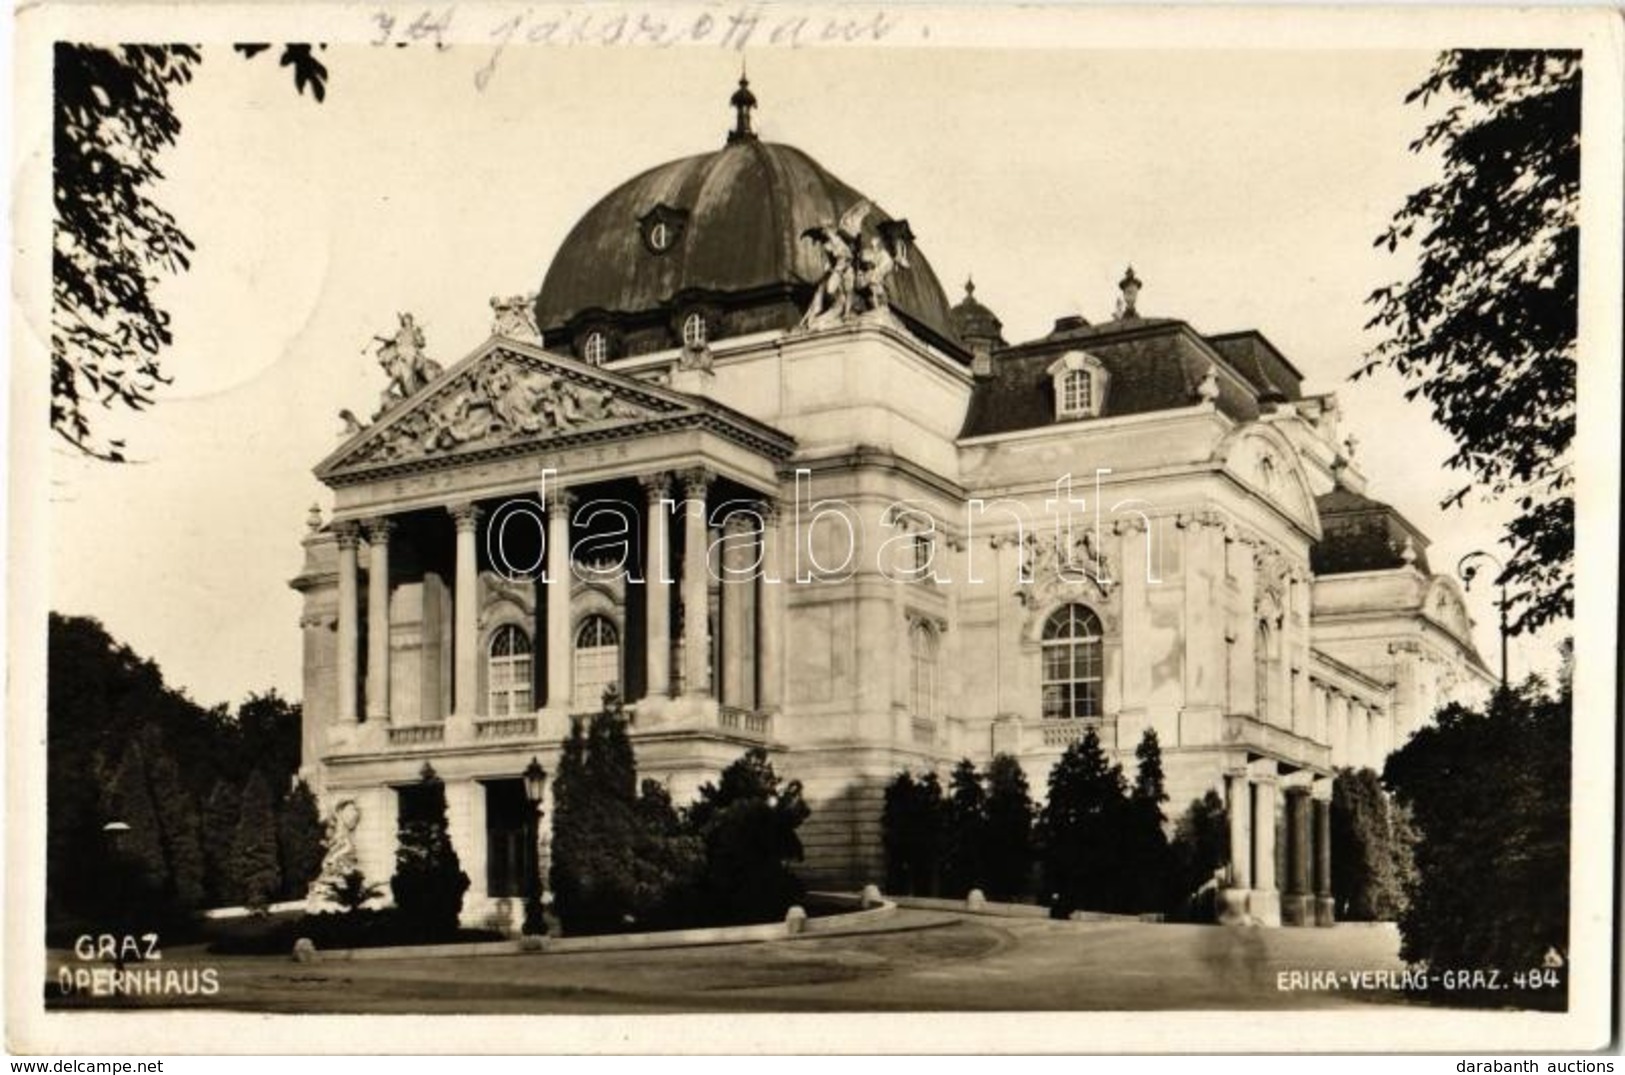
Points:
(743, 102)
(1129, 293)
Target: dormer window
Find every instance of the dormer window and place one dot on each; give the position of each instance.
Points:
(595, 348)
(694, 334)
(1080, 386)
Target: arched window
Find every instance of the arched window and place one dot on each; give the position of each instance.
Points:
(597, 661)
(1071, 674)
(596, 348)
(1075, 393)
(694, 331)
(507, 674)
(922, 648)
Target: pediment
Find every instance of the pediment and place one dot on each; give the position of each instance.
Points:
(503, 396)
(1266, 461)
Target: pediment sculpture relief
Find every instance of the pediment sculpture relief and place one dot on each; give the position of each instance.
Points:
(1060, 562)
(495, 402)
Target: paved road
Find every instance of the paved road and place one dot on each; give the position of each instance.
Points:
(943, 962)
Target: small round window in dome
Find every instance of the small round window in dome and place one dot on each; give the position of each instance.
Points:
(661, 228)
(694, 331)
(595, 348)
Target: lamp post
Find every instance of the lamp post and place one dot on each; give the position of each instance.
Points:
(117, 890)
(1467, 570)
(535, 787)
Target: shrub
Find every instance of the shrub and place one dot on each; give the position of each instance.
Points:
(747, 824)
(352, 892)
(429, 882)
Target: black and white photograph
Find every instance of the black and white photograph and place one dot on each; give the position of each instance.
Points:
(1077, 531)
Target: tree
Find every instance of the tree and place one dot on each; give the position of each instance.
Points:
(301, 841)
(1147, 866)
(964, 822)
(1082, 831)
(747, 822)
(911, 825)
(140, 871)
(1007, 837)
(1485, 329)
(101, 698)
(253, 849)
(269, 728)
(596, 825)
(1367, 850)
(113, 243)
(429, 881)
(221, 886)
(1488, 794)
(179, 828)
(1199, 850)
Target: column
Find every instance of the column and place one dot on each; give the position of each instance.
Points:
(770, 626)
(465, 643)
(349, 622)
(560, 644)
(657, 586)
(1325, 903)
(1238, 807)
(736, 586)
(378, 618)
(696, 632)
(1264, 902)
(1297, 908)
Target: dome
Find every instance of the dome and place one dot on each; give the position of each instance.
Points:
(1362, 534)
(720, 234)
(975, 323)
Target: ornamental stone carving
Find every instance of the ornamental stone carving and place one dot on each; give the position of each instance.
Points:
(1058, 563)
(499, 400)
(341, 859)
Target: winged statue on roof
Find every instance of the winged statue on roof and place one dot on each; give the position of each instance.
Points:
(856, 272)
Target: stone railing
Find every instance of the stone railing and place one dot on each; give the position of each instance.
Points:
(505, 728)
(741, 721)
(1245, 730)
(416, 734)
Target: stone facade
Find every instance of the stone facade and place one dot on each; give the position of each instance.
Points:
(851, 546)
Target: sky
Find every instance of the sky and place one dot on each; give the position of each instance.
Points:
(1245, 187)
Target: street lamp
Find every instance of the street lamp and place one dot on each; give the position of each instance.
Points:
(1468, 570)
(535, 787)
(118, 890)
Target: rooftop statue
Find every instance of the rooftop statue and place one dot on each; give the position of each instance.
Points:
(515, 317)
(855, 274)
(401, 357)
